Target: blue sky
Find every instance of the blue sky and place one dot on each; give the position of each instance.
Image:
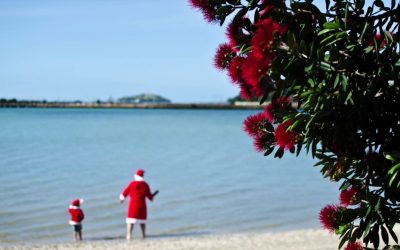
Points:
(97, 49)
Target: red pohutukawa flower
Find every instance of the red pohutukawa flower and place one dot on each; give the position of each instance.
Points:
(327, 217)
(379, 39)
(349, 197)
(206, 8)
(277, 104)
(235, 34)
(261, 142)
(255, 70)
(235, 69)
(223, 56)
(285, 139)
(245, 91)
(354, 246)
(253, 123)
(267, 30)
(269, 112)
(267, 10)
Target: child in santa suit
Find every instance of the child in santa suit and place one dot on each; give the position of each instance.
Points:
(138, 190)
(77, 217)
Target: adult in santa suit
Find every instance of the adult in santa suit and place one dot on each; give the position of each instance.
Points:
(138, 190)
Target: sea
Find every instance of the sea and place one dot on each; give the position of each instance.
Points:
(209, 177)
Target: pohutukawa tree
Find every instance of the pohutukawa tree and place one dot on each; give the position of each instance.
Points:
(332, 74)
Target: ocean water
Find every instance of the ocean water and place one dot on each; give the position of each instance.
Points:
(210, 178)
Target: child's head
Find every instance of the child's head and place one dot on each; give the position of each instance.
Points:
(76, 202)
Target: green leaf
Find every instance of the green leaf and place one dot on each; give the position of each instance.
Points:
(240, 14)
(346, 14)
(334, 41)
(224, 10)
(389, 37)
(298, 149)
(252, 3)
(342, 34)
(392, 179)
(384, 234)
(328, 38)
(392, 233)
(310, 122)
(344, 81)
(360, 4)
(368, 49)
(326, 66)
(279, 153)
(391, 157)
(348, 216)
(269, 151)
(364, 31)
(331, 25)
(324, 31)
(345, 238)
(379, 3)
(378, 209)
(349, 98)
(345, 185)
(294, 125)
(342, 229)
(313, 149)
(375, 236)
(395, 168)
(337, 81)
(303, 47)
(366, 230)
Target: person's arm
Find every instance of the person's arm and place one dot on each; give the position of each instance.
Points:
(125, 193)
(149, 195)
(81, 215)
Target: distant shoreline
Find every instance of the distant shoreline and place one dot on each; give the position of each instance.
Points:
(132, 106)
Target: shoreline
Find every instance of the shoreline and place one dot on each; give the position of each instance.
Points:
(311, 239)
(243, 105)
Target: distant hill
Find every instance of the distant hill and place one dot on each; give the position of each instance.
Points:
(238, 98)
(143, 98)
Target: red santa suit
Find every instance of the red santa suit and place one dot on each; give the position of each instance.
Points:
(76, 212)
(137, 190)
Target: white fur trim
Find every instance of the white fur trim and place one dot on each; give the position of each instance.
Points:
(138, 178)
(133, 221)
(73, 207)
(121, 197)
(81, 201)
(73, 223)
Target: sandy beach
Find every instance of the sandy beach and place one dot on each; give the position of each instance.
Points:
(302, 239)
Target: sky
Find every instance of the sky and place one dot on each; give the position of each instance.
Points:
(87, 50)
(100, 49)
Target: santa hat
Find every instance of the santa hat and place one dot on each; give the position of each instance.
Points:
(76, 203)
(139, 175)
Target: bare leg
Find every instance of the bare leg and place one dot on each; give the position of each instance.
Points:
(143, 227)
(80, 235)
(75, 236)
(129, 229)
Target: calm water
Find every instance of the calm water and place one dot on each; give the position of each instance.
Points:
(209, 177)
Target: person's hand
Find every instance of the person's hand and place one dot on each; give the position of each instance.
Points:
(155, 193)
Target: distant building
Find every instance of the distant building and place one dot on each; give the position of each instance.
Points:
(143, 98)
